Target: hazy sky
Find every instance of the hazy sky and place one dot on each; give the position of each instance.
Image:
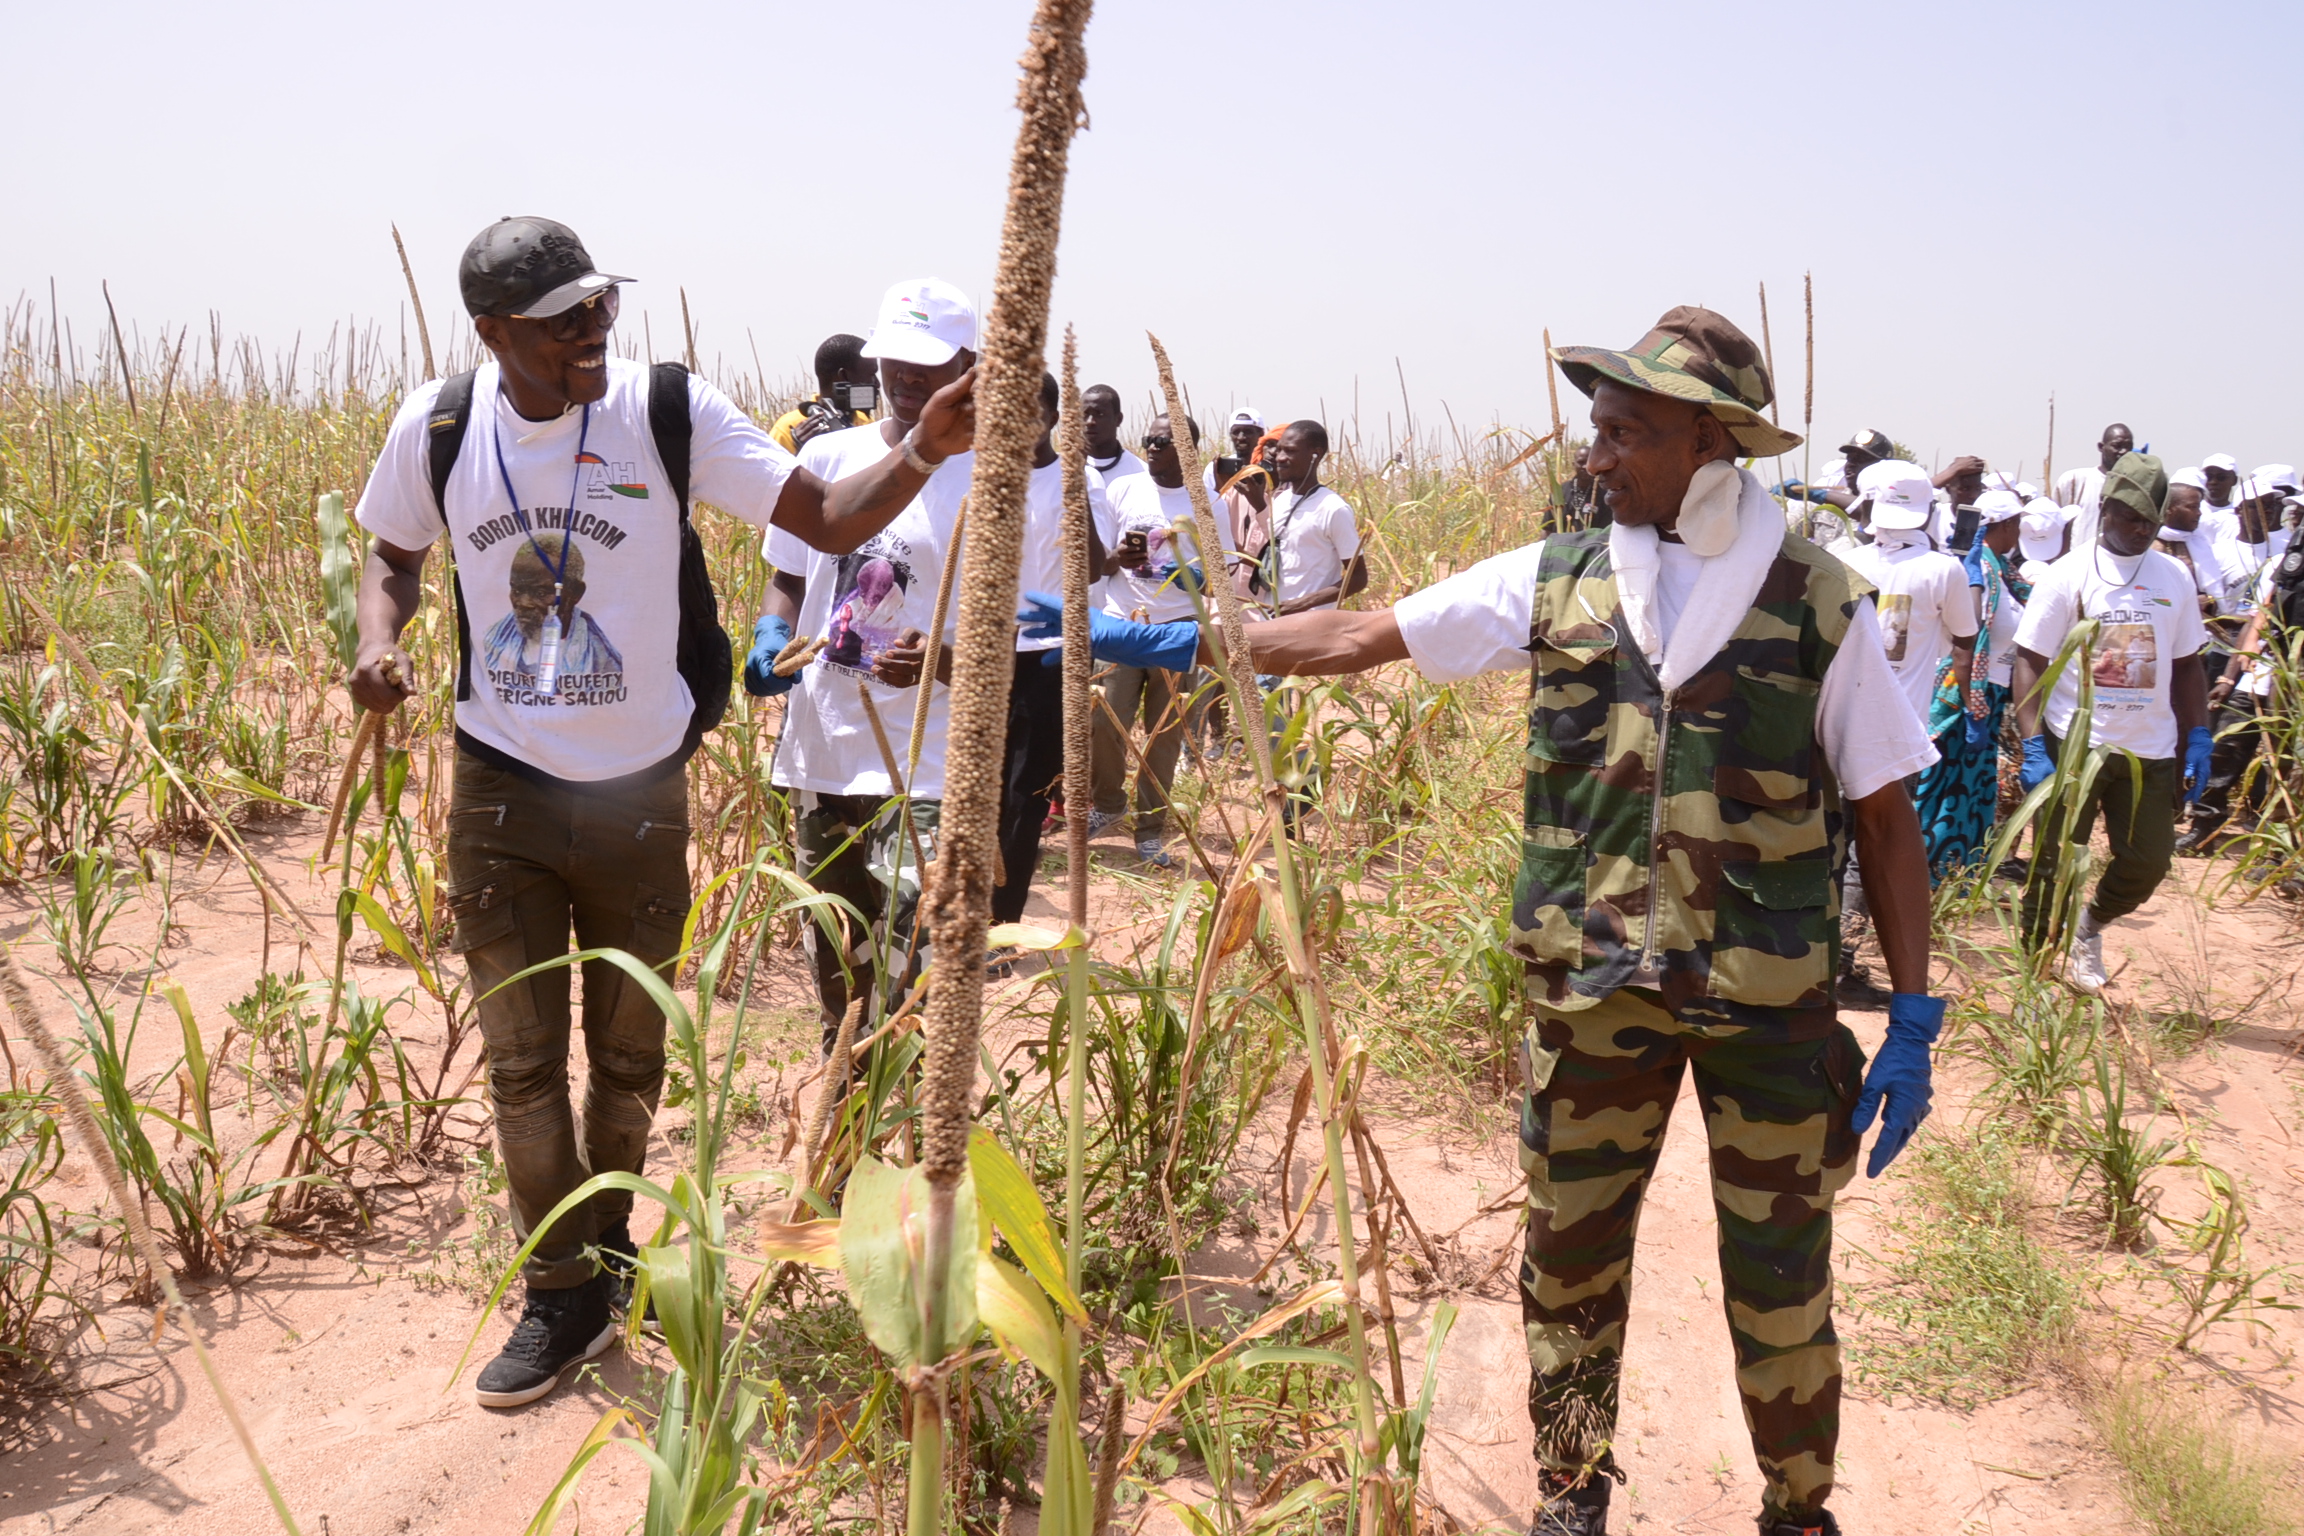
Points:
(1997, 200)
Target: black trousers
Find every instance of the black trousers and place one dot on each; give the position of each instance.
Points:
(2238, 739)
(1031, 768)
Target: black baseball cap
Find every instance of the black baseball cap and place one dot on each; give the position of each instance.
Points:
(1871, 442)
(528, 268)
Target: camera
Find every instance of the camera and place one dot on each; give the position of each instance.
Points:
(847, 397)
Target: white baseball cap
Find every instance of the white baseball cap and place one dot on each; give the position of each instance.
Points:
(1900, 494)
(2222, 461)
(2275, 477)
(1997, 507)
(1247, 416)
(924, 321)
(2043, 535)
(2189, 475)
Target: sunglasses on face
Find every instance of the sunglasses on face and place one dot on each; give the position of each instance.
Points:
(577, 321)
(1159, 442)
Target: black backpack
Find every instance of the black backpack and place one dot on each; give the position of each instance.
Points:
(705, 659)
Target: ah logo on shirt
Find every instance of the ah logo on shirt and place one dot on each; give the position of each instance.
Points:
(621, 479)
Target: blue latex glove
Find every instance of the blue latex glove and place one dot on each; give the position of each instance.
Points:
(1172, 647)
(2038, 768)
(1900, 1075)
(770, 635)
(2198, 746)
(1979, 732)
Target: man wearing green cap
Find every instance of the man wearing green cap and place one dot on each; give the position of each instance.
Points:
(2149, 696)
(1711, 720)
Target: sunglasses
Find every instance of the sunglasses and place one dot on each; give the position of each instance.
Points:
(576, 322)
(1159, 441)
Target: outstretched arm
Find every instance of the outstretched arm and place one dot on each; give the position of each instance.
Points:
(837, 518)
(1326, 643)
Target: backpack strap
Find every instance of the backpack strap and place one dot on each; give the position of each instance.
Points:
(444, 430)
(669, 423)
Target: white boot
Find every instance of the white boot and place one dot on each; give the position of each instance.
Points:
(2084, 966)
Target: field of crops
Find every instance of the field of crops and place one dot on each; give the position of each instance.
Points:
(1274, 1061)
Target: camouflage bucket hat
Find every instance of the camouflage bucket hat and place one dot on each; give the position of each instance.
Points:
(1694, 355)
(2138, 482)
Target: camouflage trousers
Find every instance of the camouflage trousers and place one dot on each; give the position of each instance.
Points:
(855, 847)
(1601, 1084)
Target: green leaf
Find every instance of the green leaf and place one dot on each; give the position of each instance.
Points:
(883, 1232)
(195, 1053)
(339, 578)
(387, 932)
(1011, 1203)
(674, 1289)
(1011, 1306)
(548, 1513)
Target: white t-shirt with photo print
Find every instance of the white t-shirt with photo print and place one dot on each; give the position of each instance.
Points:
(1153, 592)
(862, 601)
(1924, 604)
(618, 704)
(2148, 605)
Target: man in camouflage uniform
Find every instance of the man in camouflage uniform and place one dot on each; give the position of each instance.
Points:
(1712, 721)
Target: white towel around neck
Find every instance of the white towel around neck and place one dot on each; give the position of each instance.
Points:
(1726, 585)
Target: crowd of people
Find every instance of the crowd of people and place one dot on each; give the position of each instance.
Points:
(1752, 744)
(1979, 581)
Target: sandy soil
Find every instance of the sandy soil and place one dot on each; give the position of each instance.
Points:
(341, 1357)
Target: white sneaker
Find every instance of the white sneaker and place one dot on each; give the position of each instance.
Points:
(2084, 966)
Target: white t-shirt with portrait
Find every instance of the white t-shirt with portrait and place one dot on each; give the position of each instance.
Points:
(1313, 537)
(1478, 621)
(1153, 591)
(1924, 604)
(862, 601)
(2150, 621)
(618, 704)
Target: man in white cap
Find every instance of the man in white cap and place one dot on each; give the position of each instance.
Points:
(857, 837)
(2240, 699)
(2220, 507)
(2263, 512)
(1241, 487)
(1923, 602)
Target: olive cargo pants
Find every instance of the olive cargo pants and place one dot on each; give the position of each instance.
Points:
(2138, 805)
(526, 861)
(1601, 1084)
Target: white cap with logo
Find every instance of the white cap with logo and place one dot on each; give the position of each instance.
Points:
(1998, 506)
(925, 322)
(1248, 416)
(2043, 534)
(1900, 494)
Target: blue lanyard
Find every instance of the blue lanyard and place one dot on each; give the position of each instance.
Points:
(575, 475)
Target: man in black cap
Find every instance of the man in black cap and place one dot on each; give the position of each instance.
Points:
(560, 472)
(1711, 717)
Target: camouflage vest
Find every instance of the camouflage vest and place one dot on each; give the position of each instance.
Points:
(1698, 836)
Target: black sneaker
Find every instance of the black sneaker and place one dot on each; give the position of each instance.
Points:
(1820, 1523)
(1570, 1508)
(557, 1329)
(620, 1267)
(2198, 835)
